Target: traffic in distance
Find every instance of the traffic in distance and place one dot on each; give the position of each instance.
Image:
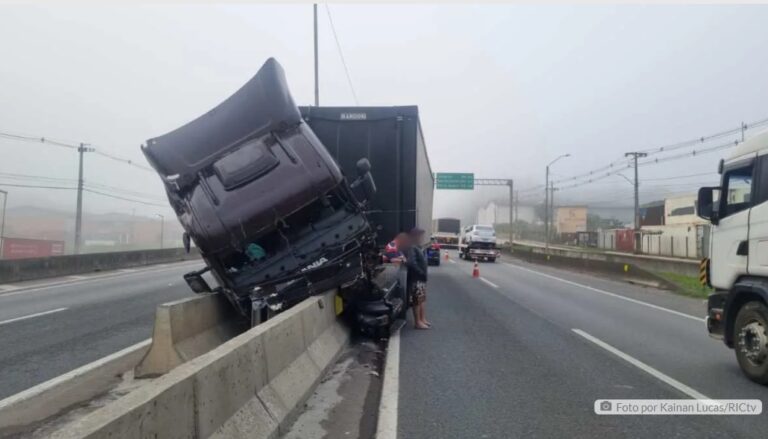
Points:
(384, 221)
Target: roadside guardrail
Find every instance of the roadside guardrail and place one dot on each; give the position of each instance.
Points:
(18, 270)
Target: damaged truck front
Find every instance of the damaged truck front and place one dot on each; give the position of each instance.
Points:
(273, 216)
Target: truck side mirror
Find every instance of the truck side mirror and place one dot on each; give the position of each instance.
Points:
(706, 206)
(185, 239)
(369, 186)
(365, 179)
(363, 167)
(196, 282)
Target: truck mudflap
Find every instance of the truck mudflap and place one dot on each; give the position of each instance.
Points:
(715, 316)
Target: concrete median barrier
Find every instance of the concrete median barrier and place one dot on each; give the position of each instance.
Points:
(18, 413)
(253, 385)
(18, 270)
(186, 329)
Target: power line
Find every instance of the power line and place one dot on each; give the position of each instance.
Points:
(36, 186)
(99, 151)
(622, 162)
(124, 198)
(13, 176)
(37, 140)
(341, 54)
(123, 160)
(99, 186)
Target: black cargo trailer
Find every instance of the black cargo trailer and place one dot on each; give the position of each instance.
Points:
(447, 225)
(391, 139)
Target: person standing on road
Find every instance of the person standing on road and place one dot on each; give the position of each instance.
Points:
(416, 263)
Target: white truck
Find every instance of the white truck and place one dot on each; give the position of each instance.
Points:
(478, 242)
(737, 263)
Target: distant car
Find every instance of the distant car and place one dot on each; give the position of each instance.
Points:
(433, 253)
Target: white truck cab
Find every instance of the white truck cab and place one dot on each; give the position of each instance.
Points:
(737, 267)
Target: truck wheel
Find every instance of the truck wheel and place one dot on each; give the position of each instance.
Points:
(751, 341)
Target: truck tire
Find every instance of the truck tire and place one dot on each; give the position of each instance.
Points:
(751, 341)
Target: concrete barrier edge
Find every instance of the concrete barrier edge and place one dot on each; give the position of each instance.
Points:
(251, 386)
(18, 412)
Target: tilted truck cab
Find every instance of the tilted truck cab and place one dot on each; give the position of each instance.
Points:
(737, 267)
(272, 214)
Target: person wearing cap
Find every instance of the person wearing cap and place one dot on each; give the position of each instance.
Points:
(416, 263)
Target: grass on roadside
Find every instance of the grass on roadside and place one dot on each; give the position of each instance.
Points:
(687, 285)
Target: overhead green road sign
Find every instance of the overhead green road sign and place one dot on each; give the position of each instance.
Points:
(453, 180)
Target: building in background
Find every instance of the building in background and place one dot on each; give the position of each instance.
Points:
(681, 210)
(570, 219)
(652, 214)
(498, 213)
(101, 232)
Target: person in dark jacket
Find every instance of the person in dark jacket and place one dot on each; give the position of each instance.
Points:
(416, 263)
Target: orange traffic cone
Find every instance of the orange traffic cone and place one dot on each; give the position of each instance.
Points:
(476, 270)
(446, 255)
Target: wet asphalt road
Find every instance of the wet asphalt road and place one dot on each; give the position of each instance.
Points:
(503, 359)
(46, 331)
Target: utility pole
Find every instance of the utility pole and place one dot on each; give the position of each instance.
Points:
(83, 148)
(547, 211)
(552, 229)
(317, 75)
(2, 227)
(511, 184)
(635, 156)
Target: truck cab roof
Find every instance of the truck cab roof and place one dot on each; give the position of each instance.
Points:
(755, 144)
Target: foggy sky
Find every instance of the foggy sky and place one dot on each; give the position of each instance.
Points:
(502, 89)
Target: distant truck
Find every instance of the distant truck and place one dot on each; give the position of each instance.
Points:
(446, 232)
(478, 242)
(737, 263)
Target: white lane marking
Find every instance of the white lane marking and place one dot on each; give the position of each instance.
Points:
(7, 287)
(31, 316)
(127, 270)
(618, 296)
(489, 282)
(642, 366)
(77, 277)
(386, 427)
(451, 261)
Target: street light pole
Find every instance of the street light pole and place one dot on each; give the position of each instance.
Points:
(317, 73)
(547, 212)
(162, 227)
(2, 227)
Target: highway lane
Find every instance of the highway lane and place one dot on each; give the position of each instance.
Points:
(503, 359)
(50, 327)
